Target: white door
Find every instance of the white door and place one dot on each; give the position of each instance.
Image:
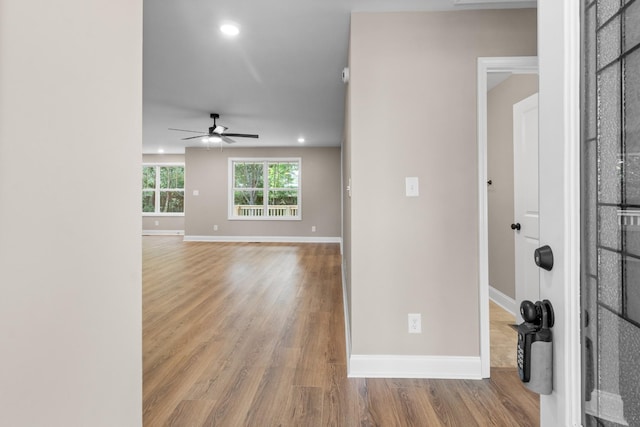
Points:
(526, 211)
(559, 186)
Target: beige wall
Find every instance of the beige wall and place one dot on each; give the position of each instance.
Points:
(500, 102)
(164, 223)
(70, 264)
(207, 172)
(413, 113)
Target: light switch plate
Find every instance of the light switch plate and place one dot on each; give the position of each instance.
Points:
(412, 186)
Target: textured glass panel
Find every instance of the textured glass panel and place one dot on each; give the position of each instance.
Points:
(629, 372)
(632, 288)
(606, 9)
(632, 25)
(609, 43)
(619, 375)
(609, 230)
(611, 302)
(610, 285)
(608, 352)
(609, 167)
(590, 73)
(617, 392)
(630, 218)
(632, 104)
(632, 178)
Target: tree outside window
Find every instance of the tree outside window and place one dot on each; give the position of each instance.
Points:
(163, 189)
(265, 188)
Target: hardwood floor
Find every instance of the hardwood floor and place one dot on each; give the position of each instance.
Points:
(504, 338)
(252, 335)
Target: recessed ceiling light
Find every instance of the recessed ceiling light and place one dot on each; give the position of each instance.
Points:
(160, 150)
(301, 140)
(230, 30)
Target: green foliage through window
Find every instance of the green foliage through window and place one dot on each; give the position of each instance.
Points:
(279, 180)
(162, 189)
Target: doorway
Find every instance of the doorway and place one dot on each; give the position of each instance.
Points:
(490, 71)
(512, 196)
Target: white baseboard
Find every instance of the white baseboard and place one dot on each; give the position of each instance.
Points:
(263, 239)
(162, 232)
(503, 300)
(398, 366)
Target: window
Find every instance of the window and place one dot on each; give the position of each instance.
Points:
(163, 189)
(264, 188)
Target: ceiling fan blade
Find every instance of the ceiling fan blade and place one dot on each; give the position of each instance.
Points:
(186, 130)
(241, 135)
(194, 137)
(227, 139)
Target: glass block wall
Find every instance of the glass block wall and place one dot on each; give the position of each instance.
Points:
(611, 212)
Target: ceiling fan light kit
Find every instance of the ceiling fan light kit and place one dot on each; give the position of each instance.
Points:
(217, 133)
(230, 30)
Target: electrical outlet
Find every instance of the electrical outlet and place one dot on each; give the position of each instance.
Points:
(313, 228)
(415, 323)
(215, 227)
(156, 223)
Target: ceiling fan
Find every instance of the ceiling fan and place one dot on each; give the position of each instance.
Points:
(217, 133)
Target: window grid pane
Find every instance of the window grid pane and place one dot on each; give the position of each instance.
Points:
(163, 189)
(277, 180)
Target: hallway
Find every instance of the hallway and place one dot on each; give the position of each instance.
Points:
(252, 334)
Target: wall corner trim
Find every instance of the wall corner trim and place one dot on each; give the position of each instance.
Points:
(399, 366)
(263, 239)
(503, 300)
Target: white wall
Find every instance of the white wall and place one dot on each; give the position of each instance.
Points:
(413, 113)
(70, 263)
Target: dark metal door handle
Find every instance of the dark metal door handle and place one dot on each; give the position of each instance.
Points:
(516, 226)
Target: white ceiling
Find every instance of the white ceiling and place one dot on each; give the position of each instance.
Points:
(280, 78)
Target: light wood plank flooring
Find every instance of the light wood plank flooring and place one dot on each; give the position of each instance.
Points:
(504, 338)
(252, 335)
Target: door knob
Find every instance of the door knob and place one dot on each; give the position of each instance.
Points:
(516, 226)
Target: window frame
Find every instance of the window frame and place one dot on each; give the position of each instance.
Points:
(265, 189)
(157, 190)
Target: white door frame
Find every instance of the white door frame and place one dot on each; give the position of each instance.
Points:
(559, 136)
(514, 65)
(559, 113)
